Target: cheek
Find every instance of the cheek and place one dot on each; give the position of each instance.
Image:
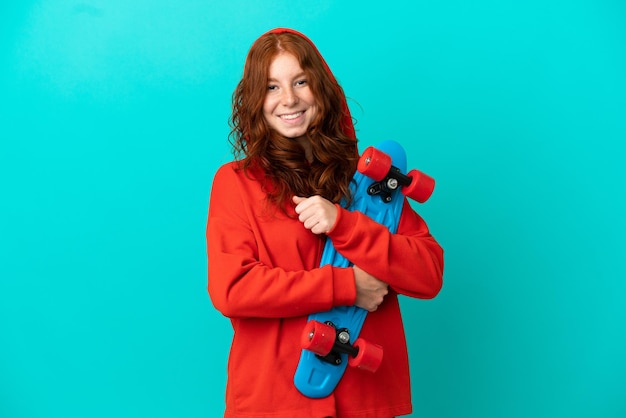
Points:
(310, 97)
(268, 106)
(314, 109)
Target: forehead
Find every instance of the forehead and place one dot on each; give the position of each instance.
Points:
(284, 65)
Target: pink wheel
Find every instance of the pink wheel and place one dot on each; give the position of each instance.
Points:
(421, 187)
(318, 337)
(374, 164)
(369, 357)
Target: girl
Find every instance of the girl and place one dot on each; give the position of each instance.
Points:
(270, 212)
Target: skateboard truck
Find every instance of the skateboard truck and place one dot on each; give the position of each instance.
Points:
(389, 184)
(341, 345)
(387, 178)
(328, 343)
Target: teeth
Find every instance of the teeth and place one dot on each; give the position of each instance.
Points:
(292, 116)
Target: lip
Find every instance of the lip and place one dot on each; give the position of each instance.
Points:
(293, 117)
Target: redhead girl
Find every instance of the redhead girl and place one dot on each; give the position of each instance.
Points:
(270, 212)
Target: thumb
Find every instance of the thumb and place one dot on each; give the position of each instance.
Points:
(298, 199)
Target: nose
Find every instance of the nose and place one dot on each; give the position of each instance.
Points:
(290, 97)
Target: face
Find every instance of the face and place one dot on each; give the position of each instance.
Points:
(289, 106)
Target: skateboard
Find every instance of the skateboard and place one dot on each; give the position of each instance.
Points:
(330, 340)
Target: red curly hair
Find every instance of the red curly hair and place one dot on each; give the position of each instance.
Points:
(282, 160)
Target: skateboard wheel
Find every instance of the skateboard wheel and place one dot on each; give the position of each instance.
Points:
(369, 357)
(374, 164)
(318, 337)
(421, 187)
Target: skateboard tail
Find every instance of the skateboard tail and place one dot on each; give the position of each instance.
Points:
(315, 382)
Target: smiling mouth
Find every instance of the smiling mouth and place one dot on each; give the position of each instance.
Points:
(292, 116)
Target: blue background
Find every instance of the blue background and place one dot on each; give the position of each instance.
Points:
(113, 120)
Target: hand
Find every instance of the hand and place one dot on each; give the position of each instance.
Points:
(370, 291)
(316, 213)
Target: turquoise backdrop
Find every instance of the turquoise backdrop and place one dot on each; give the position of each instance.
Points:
(113, 119)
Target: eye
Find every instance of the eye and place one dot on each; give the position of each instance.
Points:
(301, 82)
(272, 87)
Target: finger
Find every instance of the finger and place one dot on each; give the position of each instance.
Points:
(319, 228)
(298, 200)
(304, 204)
(309, 223)
(313, 202)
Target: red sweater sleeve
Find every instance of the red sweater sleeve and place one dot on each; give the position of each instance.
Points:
(263, 264)
(410, 261)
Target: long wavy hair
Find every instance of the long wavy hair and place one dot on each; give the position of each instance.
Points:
(283, 160)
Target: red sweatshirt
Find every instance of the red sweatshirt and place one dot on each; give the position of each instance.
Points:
(264, 275)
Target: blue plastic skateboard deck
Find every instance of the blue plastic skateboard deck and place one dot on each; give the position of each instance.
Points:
(317, 376)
